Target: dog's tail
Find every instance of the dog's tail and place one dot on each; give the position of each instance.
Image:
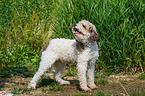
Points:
(44, 48)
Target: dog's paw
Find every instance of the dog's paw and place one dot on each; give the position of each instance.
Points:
(93, 86)
(65, 82)
(31, 86)
(86, 89)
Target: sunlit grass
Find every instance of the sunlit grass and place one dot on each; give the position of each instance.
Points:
(120, 25)
(24, 29)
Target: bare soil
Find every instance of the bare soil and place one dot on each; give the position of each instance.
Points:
(120, 85)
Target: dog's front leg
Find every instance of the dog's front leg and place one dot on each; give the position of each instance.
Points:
(82, 68)
(90, 74)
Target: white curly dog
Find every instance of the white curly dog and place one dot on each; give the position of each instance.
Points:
(82, 51)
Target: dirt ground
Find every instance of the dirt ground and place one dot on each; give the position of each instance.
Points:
(120, 85)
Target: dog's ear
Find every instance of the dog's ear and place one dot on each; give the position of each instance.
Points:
(94, 35)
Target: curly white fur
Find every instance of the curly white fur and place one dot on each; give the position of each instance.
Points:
(83, 51)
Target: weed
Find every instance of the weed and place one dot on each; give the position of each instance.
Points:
(102, 82)
(55, 87)
(101, 75)
(71, 71)
(79, 94)
(20, 90)
(44, 90)
(142, 77)
(17, 90)
(99, 93)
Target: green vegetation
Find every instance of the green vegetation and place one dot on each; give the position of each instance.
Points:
(101, 75)
(71, 70)
(55, 87)
(99, 93)
(142, 76)
(79, 94)
(25, 26)
(102, 82)
(20, 90)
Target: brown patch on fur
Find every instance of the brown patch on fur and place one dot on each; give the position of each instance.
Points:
(80, 46)
(44, 48)
(94, 36)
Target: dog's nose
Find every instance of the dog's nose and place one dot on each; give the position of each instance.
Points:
(75, 25)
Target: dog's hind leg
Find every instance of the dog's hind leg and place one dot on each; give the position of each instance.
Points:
(47, 59)
(59, 68)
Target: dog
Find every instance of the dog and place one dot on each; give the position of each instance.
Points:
(83, 51)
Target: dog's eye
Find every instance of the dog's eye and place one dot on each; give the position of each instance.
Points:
(84, 26)
(81, 33)
(76, 29)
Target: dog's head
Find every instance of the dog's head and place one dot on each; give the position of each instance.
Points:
(85, 31)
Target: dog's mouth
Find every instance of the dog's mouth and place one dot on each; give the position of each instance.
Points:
(76, 31)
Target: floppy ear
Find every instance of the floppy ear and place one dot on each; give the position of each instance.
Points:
(94, 35)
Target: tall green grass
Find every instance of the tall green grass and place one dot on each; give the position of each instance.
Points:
(25, 26)
(120, 24)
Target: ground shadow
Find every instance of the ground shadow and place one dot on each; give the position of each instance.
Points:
(14, 71)
(47, 81)
(76, 83)
(2, 81)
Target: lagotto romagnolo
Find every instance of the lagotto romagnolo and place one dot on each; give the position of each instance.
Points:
(83, 51)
